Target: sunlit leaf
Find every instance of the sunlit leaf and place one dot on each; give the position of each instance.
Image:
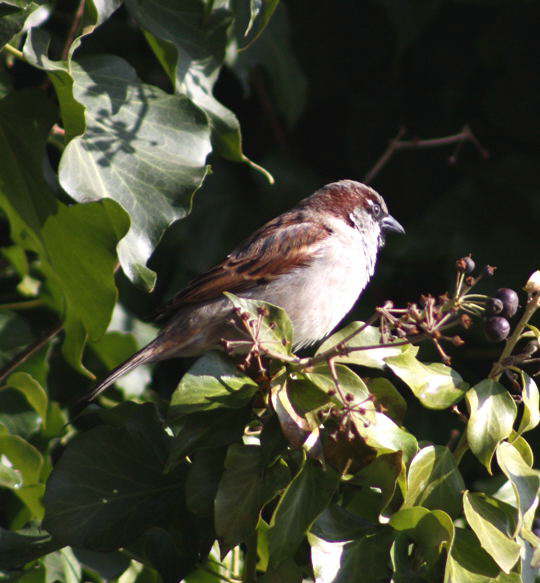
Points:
(436, 385)
(35, 394)
(492, 415)
(531, 404)
(370, 336)
(434, 481)
(494, 524)
(212, 382)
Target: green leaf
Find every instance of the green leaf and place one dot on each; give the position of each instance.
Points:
(275, 331)
(388, 398)
(492, 415)
(15, 334)
(143, 147)
(434, 481)
(273, 52)
(35, 394)
(349, 381)
(203, 479)
(62, 567)
(381, 433)
(337, 524)
(238, 499)
(364, 559)
(436, 385)
(108, 472)
(23, 475)
(303, 500)
(14, 19)
(76, 244)
(378, 483)
(19, 548)
(468, 562)
(370, 336)
(531, 404)
(207, 429)
(198, 33)
(16, 415)
(212, 382)
(525, 482)
(494, 524)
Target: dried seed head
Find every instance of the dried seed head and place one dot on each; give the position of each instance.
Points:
(263, 311)
(489, 270)
(466, 321)
(349, 397)
(331, 392)
(457, 341)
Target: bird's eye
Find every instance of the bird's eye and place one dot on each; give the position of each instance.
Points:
(376, 210)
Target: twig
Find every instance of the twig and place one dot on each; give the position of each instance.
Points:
(465, 135)
(24, 305)
(73, 29)
(533, 304)
(13, 51)
(28, 352)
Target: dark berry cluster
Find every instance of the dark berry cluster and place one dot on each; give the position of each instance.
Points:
(502, 306)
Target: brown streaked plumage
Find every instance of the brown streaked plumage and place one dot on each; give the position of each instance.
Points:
(313, 261)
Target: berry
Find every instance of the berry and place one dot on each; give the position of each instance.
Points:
(494, 306)
(509, 299)
(497, 328)
(470, 265)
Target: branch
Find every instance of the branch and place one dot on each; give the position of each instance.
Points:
(533, 304)
(465, 135)
(13, 51)
(29, 351)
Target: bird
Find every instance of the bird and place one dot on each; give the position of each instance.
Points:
(313, 261)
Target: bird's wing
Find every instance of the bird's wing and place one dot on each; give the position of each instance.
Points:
(276, 248)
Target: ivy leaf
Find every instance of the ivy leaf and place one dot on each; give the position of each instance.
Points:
(303, 500)
(19, 548)
(105, 473)
(34, 393)
(531, 404)
(370, 336)
(436, 385)
(468, 562)
(363, 559)
(434, 481)
(492, 415)
(275, 326)
(494, 523)
(190, 39)
(260, 11)
(388, 398)
(142, 147)
(212, 382)
(76, 244)
(525, 481)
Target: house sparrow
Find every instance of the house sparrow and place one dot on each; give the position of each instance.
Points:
(313, 261)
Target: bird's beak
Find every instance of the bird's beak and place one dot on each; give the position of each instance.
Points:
(388, 223)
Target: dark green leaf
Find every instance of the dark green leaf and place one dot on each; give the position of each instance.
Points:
(370, 336)
(388, 398)
(199, 35)
(15, 334)
(238, 500)
(107, 473)
(17, 415)
(434, 481)
(106, 565)
(203, 479)
(273, 53)
(207, 430)
(337, 524)
(286, 572)
(212, 382)
(260, 12)
(492, 415)
(76, 244)
(531, 404)
(304, 499)
(19, 548)
(142, 147)
(364, 559)
(494, 523)
(525, 481)
(378, 482)
(436, 385)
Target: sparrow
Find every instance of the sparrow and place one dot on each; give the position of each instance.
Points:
(313, 260)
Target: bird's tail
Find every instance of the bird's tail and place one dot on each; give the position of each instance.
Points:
(147, 354)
